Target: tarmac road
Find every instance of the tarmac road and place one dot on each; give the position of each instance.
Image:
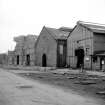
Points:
(16, 90)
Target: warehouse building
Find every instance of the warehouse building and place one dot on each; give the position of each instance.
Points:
(51, 47)
(86, 46)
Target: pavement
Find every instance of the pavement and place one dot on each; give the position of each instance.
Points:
(16, 90)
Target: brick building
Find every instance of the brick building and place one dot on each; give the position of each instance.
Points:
(51, 47)
(86, 46)
(25, 50)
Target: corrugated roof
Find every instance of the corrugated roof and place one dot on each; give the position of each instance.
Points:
(57, 34)
(95, 27)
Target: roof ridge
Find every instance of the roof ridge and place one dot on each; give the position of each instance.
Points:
(90, 23)
(51, 28)
(49, 32)
(56, 33)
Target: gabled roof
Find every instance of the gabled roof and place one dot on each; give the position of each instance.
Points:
(94, 27)
(57, 34)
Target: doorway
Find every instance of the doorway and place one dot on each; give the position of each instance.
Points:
(102, 61)
(61, 53)
(44, 62)
(28, 59)
(17, 59)
(80, 57)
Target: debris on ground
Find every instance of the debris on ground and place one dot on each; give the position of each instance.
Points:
(40, 77)
(101, 93)
(24, 86)
(84, 83)
(71, 77)
(87, 82)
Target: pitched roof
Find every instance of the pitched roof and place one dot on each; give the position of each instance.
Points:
(66, 29)
(57, 34)
(95, 27)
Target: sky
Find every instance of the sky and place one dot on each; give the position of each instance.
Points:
(22, 17)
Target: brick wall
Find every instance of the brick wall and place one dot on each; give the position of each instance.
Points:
(46, 44)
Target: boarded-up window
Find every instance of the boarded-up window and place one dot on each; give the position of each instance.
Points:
(61, 49)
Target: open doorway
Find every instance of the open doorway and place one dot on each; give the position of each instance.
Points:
(28, 59)
(80, 57)
(17, 59)
(102, 61)
(44, 62)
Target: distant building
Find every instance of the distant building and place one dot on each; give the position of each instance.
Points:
(25, 50)
(3, 59)
(86, 46)
(11, 57)
(51, 47)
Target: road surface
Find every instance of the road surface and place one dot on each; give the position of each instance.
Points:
(16, 90)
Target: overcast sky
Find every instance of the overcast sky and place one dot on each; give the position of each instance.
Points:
(22, 17)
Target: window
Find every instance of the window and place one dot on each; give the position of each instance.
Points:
(87, 51)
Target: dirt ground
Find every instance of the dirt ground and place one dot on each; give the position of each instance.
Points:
(17, 90)
(82, 83)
